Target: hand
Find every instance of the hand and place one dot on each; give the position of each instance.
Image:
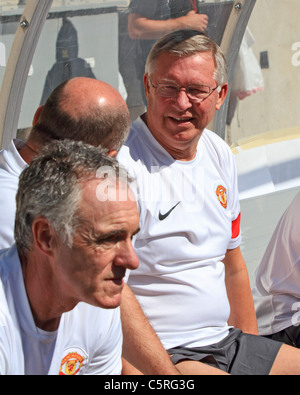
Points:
(196, 21)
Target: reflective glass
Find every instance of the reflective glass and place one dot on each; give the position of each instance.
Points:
(90, 37)
(264, 121)
(10, 12)
(98, 38)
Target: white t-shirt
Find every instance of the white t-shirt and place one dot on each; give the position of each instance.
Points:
(188, 212)
(88, 340)
(11, 166)
(277, 279)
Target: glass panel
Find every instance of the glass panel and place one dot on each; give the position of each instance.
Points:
(91, 38)
(80, 38)
(264, 120)
(10, 12)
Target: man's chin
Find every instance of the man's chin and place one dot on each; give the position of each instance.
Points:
(108, 302)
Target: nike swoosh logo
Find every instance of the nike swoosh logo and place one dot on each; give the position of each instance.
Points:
(162, 217)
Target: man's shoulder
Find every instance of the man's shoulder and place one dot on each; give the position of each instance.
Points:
(11, 353)
(98, 334)
(100, 319)
(9, 180)
(9, 266)
(215, 145)
(215, 139)
(132, 147)
(103, 330)
(11, 162)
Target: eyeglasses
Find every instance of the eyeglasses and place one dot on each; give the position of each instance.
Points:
(196, 93)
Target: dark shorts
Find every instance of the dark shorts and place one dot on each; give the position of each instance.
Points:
(237, 354)
(289, 336)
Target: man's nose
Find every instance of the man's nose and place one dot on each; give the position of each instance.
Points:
(126, 256)
(182, 100)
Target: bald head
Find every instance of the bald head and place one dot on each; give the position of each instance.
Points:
(84, 109)
(81, 95)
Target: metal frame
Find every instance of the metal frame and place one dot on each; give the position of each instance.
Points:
(231, 42)
(28, 34)
(16, 72)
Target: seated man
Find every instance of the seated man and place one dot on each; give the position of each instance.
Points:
(88, 110)
(277, 292)
(192, 282)
(81, 109)
(61, 283)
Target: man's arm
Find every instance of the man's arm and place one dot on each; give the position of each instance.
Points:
(143, 28)
(242, 314)
(141, 346)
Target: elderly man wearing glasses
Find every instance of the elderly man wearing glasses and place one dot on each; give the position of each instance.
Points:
(192, 282)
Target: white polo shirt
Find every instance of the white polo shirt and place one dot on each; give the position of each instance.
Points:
(189, 218)
(87, 342)
(277, 278)
(11, 166)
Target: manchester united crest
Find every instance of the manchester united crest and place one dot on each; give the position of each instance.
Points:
(221, 193)
(72, 363)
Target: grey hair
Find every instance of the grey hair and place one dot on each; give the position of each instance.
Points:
(184, 43)
(51, 186)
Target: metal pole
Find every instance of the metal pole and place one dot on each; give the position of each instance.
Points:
(16, 72)
(231, 42)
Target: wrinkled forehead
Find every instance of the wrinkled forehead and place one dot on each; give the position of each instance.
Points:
(107, 189)
(106, 205)
(193, 69)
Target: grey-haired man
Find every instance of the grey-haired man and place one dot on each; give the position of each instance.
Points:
(61, 283)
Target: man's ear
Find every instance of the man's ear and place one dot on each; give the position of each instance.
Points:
(37, 115)
(222, 96)
(146, 84)
(112, 153)
(45, 238)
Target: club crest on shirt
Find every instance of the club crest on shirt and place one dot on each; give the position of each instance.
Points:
(72, 363)
(221, 193)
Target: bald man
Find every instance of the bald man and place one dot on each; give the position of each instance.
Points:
(91, 111)
(81, 109)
